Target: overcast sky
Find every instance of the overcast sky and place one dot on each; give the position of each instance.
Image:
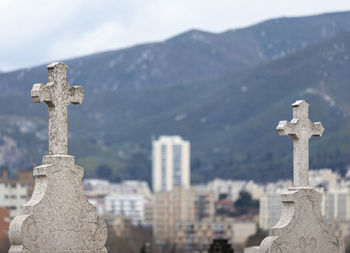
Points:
(40, 31)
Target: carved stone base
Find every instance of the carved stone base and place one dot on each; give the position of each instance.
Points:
(302, 228)
(58, 218)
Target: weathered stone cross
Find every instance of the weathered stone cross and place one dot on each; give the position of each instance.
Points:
(58, 217)
(58, 95)
(300, 129)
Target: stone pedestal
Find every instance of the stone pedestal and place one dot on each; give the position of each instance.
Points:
(302, 228)
(58, 218)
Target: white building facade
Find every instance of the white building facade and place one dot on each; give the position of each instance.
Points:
(337, 204)
(128, 206)
(15, 192)
(129, 199)
(232, 188)
(270, 210)
(170, 163)
(12, 197)
(100, 187)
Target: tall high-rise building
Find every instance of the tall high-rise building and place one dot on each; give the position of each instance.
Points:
(171, 163)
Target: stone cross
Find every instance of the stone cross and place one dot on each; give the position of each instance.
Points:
(58, 218)
(302, 227)
(58, 95)
(300, 129)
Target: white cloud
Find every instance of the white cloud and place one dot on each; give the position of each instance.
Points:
(103, 37)
(38, 31)
(25, 21)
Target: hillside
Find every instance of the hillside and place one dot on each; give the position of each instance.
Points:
(224, 92)
(249, 141)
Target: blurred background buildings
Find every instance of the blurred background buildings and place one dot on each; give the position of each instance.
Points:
(184, 217)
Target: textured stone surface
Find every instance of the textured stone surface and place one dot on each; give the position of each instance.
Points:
(302, 228)
(58, 95)
(300, 129)
(58, 218)
(251, 250)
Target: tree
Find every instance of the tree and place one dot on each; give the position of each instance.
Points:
(222, 196)
(104, 172)
(139, 167)
(256, 239)
(245, 204)
(136, 240)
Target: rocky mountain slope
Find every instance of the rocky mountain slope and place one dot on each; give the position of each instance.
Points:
(224, 92)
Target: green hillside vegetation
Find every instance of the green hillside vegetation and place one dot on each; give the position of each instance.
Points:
(224, 92)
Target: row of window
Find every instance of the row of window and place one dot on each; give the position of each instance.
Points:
(177, 165)
(10, 185)
(216, 227)
(15, 196)
(163, 167)
(14, 185)
(177, 159)
(11, 208)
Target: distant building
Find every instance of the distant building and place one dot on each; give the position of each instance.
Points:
(15, 192)
(170, 208)
(337, 204)
(129, 206)
(100, 187)
(129, 200)
(204, 204)
(177, 206)
(170, 163)
(324, 177)
(197, 235)
(121, 226)
(4, 223)
(227, 189)
(230, 189)
(270, 210)
(224, 207)
(98, 202)
(148, 217)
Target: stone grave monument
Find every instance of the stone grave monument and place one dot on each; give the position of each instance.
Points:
(58, 218)
(302, 228)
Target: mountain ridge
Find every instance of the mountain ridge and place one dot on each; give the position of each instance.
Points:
(216, 100)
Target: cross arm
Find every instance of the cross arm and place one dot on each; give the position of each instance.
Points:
(76, 94)
(286, 128)
(41, 93)
(317, 129)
